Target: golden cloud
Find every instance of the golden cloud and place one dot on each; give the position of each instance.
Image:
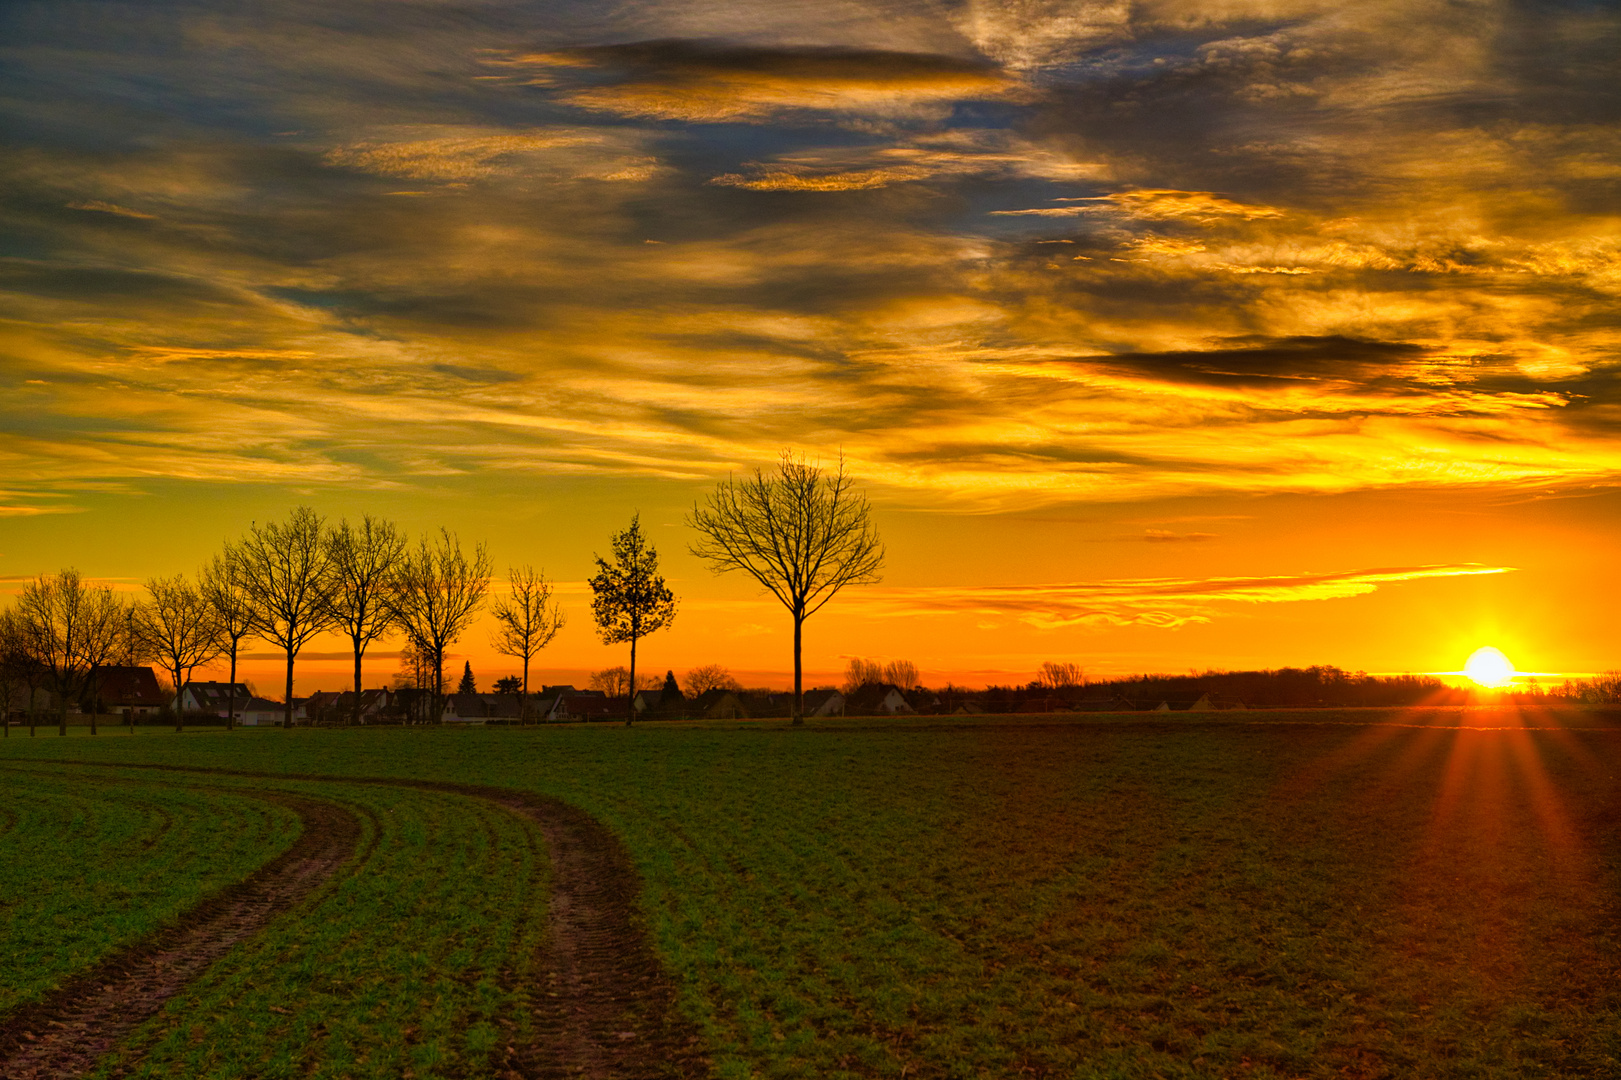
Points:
(461, 156)
(1159, 602)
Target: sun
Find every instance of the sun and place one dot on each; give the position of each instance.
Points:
(1489, 668)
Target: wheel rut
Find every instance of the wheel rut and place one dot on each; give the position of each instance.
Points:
(66, 1033)
(601, 1005)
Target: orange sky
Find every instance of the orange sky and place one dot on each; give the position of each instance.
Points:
(1162, 336)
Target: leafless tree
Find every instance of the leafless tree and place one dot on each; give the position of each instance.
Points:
(613, 681)
(1060, 675)
(287, 573)
(226, 593)
(629, 596)
(178, 627)
(707, 677)
(19, 660)
(72, 628)
(14, 658)
(435, 592)
(802, 534)
(364, 558)
(859, 673)
(527, 620)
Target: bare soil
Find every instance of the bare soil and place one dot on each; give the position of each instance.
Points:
(65, 1034)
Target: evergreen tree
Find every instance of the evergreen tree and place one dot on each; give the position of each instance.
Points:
(468, 686)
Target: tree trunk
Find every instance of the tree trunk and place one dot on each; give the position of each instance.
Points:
(288, 722)
(799, 672)
(523, 699)
(179, 703)
(359, 651)
(230, 694)
(630, 712)
(436, 704)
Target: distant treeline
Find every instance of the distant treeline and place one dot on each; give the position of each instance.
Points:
(1291, 688)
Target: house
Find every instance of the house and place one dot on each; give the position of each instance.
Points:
(259, 712)
(587, 705)
(823, 701)
(717, 704)
(878, 699)
(1190, 702)
(1043, 705)
(132, 690)
(340, 708)
(482, 708)
(214, 698)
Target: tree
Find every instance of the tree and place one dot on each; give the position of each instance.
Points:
(614, 681)
(468, 684)
(859, 673)
(19, 662)
(415, 676)
(1060, 675)
(527, 620)
(177, 626)
(436, 591)
(701, 680)
(71, 629)
(801, 534)
(509, 684)
(225, 590)
(287, 574)
(13, 659)
(629, 597)
(363, 558)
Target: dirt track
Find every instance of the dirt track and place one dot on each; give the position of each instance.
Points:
(65, 1034)
(603, 1007)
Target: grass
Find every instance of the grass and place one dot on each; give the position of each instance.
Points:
(1356, 894)
(86, 867)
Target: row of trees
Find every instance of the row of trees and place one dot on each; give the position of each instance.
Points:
(801, 533)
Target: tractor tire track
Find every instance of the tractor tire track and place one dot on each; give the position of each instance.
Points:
(602, 1007)
(65, 1034)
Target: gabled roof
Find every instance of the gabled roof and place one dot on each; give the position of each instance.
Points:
(129, 687)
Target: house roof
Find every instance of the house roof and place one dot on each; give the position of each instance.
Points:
(130, 686)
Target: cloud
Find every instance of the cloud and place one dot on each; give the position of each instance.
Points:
(463, 155)
(698, 82)
(1200, 207)
(1160, 602)
(102, 207)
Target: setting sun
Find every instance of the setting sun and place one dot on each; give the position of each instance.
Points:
(1489, 667)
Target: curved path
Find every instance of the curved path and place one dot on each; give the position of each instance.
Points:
(65, 1034)
(602, 1006)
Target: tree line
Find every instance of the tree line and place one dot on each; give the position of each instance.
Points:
(801, 532)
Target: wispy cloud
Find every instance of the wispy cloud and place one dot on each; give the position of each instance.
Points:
(1159, 602)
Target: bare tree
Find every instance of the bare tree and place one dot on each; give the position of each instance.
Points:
(629, 597)
(435, 592)
(859, 673)
(19, 660)
(901, 673)
(802, 534)
(363, 558)
(1060, 675)
(286, 571)
(71, 628)
(527, 620)
(707, 677)
(179, 628)
(612, 681)
(14, 657)
(226, 593)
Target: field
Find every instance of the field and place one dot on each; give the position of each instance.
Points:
(1325, 894)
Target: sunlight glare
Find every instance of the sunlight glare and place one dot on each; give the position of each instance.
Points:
(1488, 667)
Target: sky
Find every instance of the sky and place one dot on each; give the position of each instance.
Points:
(1161, 336)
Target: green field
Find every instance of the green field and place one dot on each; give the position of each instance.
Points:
(1355, 894)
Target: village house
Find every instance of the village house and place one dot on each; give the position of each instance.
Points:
(130, 691)
(213, 698)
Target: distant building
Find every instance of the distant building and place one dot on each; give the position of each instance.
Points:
(878, 699)
(133, 690)
(259, 712)
(823, 702)
(213, 698)
(481, 708)
(717, 704)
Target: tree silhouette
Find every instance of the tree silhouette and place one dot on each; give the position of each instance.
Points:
(221, 583)
(802, 534)
(435, 592)
(468, 685)
(71, 629)
(287, 572)
(629, 597)
(707, 677)
(178, 626)
(363, 560)
(527, 620)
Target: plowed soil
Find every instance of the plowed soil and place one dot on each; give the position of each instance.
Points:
(65, 1034)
